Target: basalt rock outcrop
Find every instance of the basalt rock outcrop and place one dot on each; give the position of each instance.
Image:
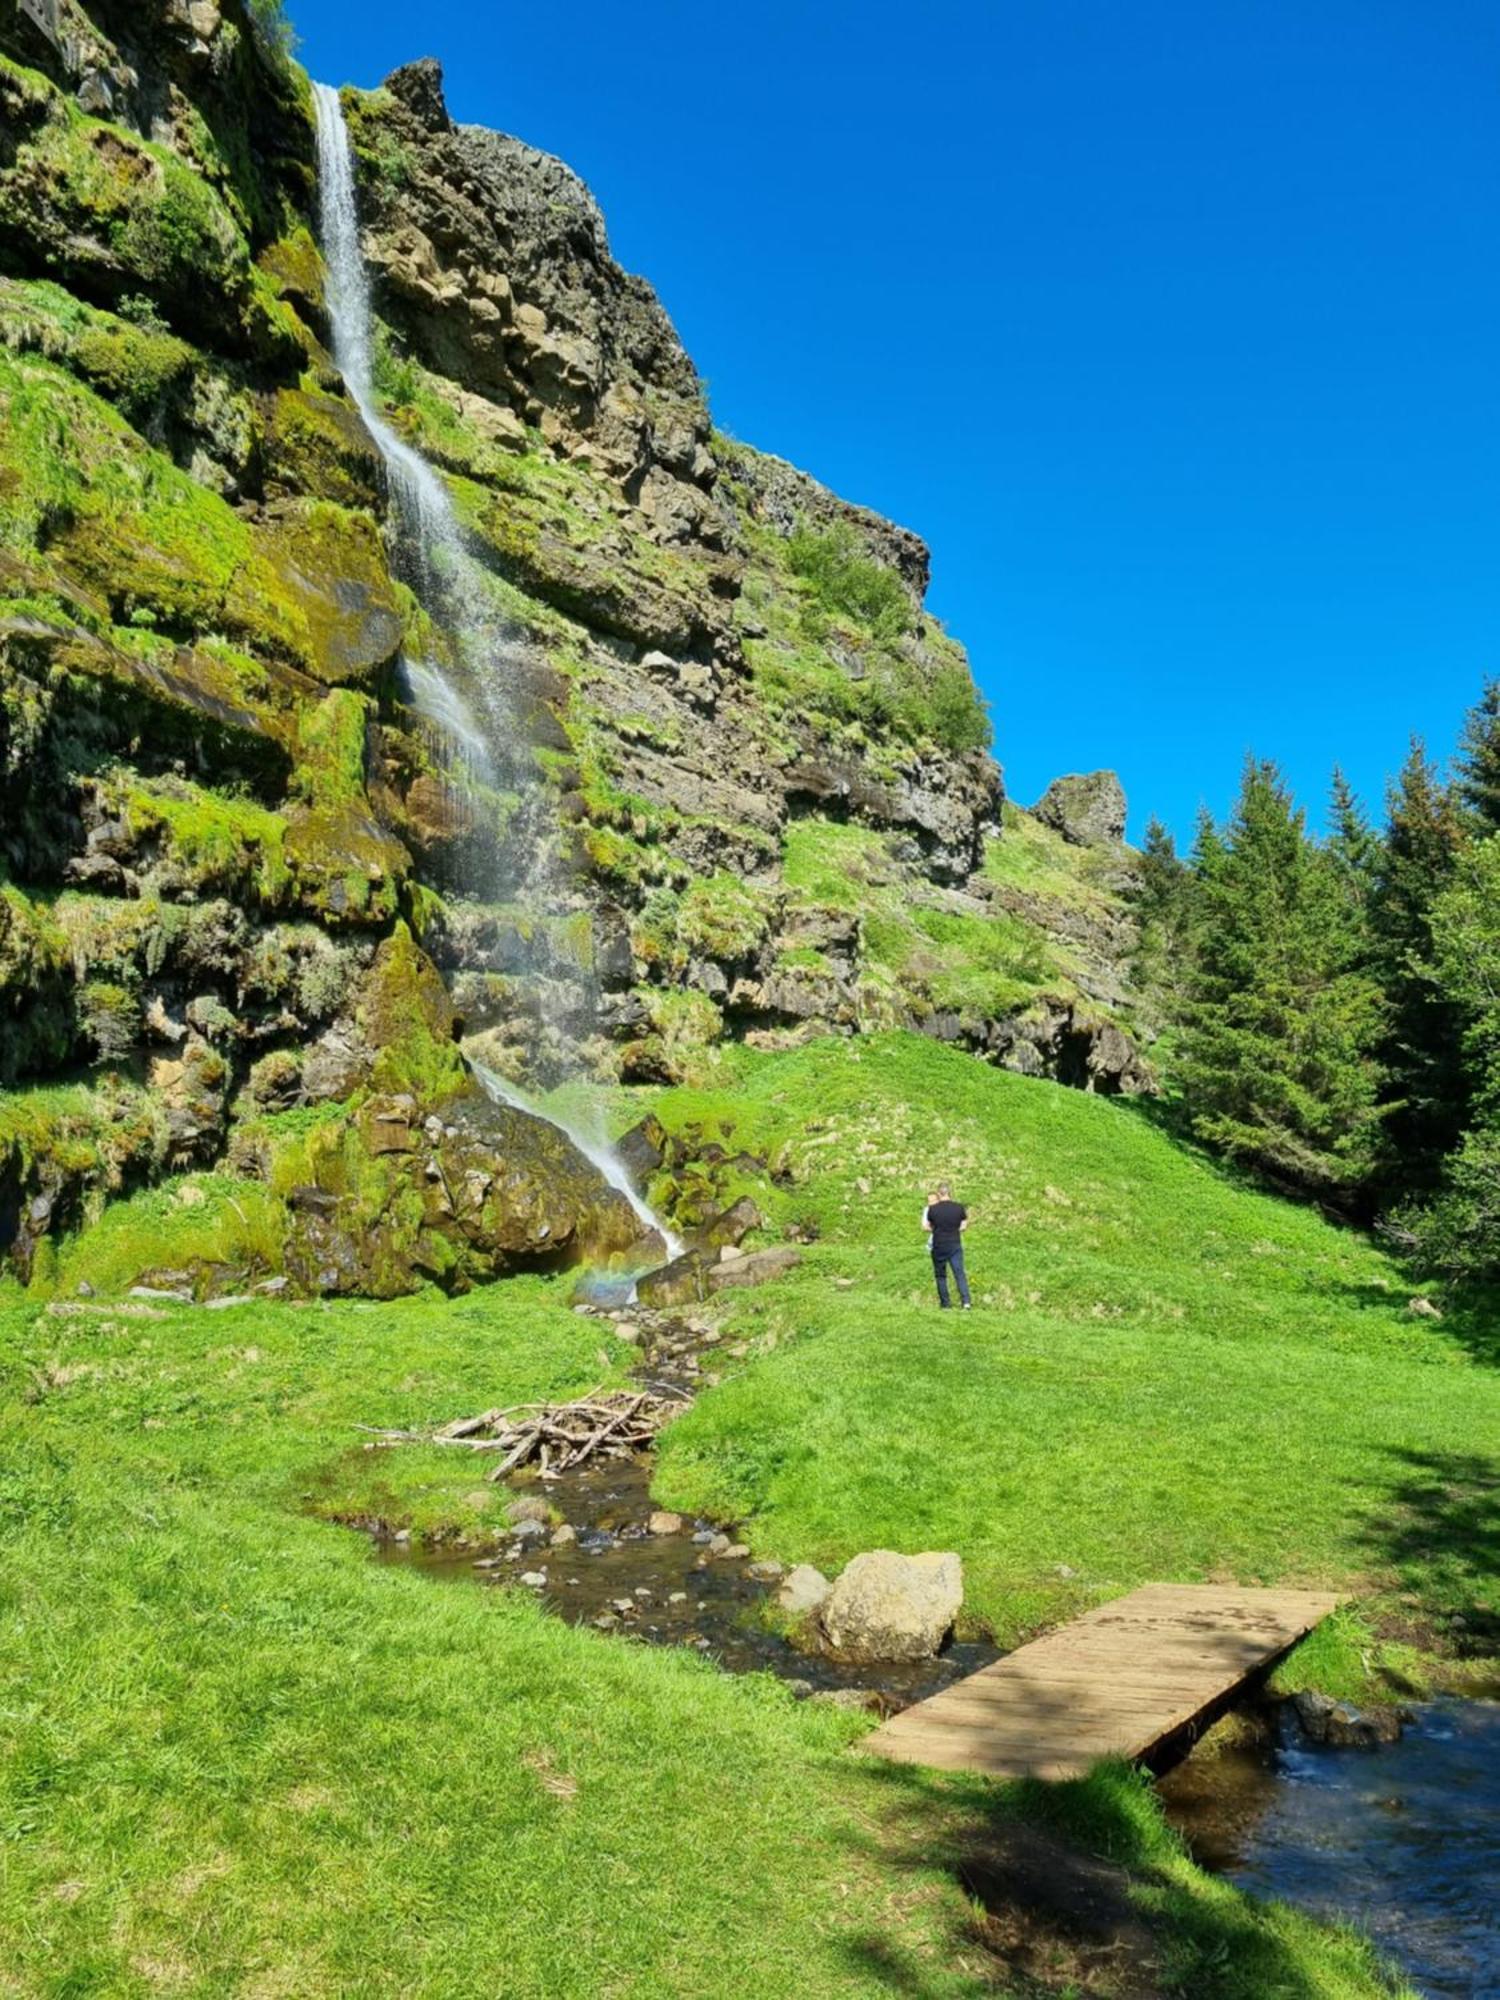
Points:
(221, 811)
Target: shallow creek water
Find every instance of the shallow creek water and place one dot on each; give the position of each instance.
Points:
(669, 1590)
(1402, 1841)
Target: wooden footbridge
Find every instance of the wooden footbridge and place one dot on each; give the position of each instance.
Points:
(1121, 1681)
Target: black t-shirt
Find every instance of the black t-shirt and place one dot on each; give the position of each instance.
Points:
(945, 1219)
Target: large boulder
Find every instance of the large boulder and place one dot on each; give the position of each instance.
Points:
(1087, 809)
(891, 1607)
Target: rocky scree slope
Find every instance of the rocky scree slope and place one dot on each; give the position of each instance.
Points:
(247, 904)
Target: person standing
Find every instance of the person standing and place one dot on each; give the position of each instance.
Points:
(945, 1223)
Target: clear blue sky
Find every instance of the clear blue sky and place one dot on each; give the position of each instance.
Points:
(1173, 325)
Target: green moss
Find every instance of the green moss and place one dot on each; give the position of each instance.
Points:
(134, 367)
(110, 1016)
(64, 1151)
(720, 917)
(120, 520)
(316, 444)
(330, 569)
(102, 208)
(36, 1011)
(219, 1232)
(209, 843)
(407, 1018)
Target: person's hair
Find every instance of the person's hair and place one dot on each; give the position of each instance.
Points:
(944, 1190)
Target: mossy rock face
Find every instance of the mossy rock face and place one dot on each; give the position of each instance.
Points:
(121, 523)
(113, 216)
(395, 1199)
(406, 1018)
(63, 1153)
(330, 563)
(36, 987)
(293, 266)
(316, 444)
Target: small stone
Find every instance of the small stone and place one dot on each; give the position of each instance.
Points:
(1065, 1569)
(402, 1535)
(85, 1289)
(1422, 1309)
(862, 1700)
(736, 1552)
(664, 1523)
(767, 1570)
(527, 1508)
(622, 1604)
(641, 1590)
(531, 1534)
(534, 1579)
(678, 1597)
(718, 1545)
(843, 1284)
(564, 1536)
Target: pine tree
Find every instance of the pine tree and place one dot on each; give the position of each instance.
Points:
(1427, 1087)
(1460, 1231)
(1162, 902)
(1479, 759)
(1276, 1063)
(1353, 845)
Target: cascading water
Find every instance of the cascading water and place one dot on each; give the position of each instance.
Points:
(441, 569)
(596, 1151)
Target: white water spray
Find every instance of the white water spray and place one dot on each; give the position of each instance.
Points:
(442, 562)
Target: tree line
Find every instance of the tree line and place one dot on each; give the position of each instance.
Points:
(1330, 1007)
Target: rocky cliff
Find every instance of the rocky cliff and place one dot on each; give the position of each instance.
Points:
(247, 906)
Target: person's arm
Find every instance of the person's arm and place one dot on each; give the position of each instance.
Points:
(927, 1217)
(963, 1222)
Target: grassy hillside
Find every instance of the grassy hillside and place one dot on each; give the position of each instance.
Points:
(241, 1758)
(1167, 1375)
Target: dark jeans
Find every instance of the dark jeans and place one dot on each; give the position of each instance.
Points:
(944, 1261)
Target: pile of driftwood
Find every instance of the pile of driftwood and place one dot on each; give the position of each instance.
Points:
(559, 1436)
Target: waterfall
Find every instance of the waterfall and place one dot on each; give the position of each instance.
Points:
(443, 570)
(598, 1152)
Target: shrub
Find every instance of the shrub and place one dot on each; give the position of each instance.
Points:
(843, 578)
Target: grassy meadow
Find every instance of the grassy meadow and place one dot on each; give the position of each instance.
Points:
(240, 1757)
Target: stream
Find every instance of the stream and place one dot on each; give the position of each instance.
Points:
(672, 1589)
(1401, 1841)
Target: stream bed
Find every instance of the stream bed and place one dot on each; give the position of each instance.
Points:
(1403, 1841)
(673, 1589)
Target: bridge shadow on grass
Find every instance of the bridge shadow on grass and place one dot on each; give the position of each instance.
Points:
(1440, 1531)
(1082, 1888)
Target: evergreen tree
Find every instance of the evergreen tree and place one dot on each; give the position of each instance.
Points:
(1427, 1087)
(1479, 759)
(1353, 845)
(1162, 900)
(1460, 1232)
(1276, 1063)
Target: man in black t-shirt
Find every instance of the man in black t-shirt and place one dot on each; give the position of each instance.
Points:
(945, 1223)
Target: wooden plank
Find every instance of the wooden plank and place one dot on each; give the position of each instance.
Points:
(1116, 1682)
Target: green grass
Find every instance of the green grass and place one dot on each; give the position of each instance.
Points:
(978, 965)
(1167, 1375)
(240, 1757)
